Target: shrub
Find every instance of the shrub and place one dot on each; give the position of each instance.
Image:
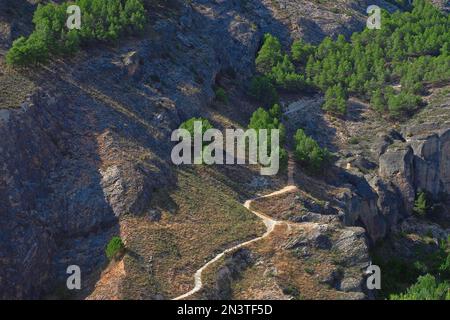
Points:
(335, 100)
(262, 119)
(402, 104)
(426, 288)
(353, 140)
(29, 51)
(189, 125)
(300, 51)
(377, 101)
(269, 54)
(221, 95)
(114, 248)
(445, 267)
(308, 152)
(291, 290)
(421, 206)
(284, 76)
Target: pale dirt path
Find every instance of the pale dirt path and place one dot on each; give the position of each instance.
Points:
(268, 221)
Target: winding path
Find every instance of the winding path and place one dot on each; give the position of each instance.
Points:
(268, 221)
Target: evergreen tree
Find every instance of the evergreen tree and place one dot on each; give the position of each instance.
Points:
(377, 101)
(421, 205)
(308, 152)
(300, 51)
(269, 55)
(102, 20)
(426, 288)
(262, 89)
(335, 100)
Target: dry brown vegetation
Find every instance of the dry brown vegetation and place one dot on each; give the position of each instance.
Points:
(204, 218)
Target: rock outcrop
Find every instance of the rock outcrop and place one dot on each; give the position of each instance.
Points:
(419, 164)
(233, 266)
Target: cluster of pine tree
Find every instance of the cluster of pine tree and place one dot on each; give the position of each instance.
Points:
(101, 20)
(269, 120)
(276, 71)
(388, 67)
(309, 153)
(411, 48)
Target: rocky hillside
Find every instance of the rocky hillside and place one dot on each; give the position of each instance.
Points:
(85, 148)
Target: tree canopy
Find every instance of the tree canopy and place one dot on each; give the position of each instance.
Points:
(101, 20)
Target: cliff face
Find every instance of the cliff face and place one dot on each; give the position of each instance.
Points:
(411, 160)
(418, 164)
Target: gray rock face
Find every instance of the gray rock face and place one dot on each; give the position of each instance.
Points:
(352, 248)
(421, 163)
(234, 265)
(389, 204)
(351, 285)
(349, 248)
(362, 211)
(94, 143)
(426, 163)
(444, 160)
(396, 166)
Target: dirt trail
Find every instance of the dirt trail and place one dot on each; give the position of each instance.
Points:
(268, 221)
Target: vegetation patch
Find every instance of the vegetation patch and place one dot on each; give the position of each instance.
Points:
(388, 67)
(115, 248)
(102, 21)
(425, 278)
(309, 153)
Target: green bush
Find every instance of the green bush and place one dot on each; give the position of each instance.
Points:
(402, 104)
(309, 153)
(377, 101)
(262, 119)
(221, 95)
(269, 54)
(101, 20)
(300, 51)
(31, 51)
(283, 75)
(426, 288)
(421, 206)
(353, 140)
(189, 125)
(335, 100)
(114, 248)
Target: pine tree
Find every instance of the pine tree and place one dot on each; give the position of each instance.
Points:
(269, 54)
(421, 204)
(335, 100)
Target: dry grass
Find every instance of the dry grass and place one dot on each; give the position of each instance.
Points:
(164, 255)
(284, 206)
(14, 87)
(278, 274)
